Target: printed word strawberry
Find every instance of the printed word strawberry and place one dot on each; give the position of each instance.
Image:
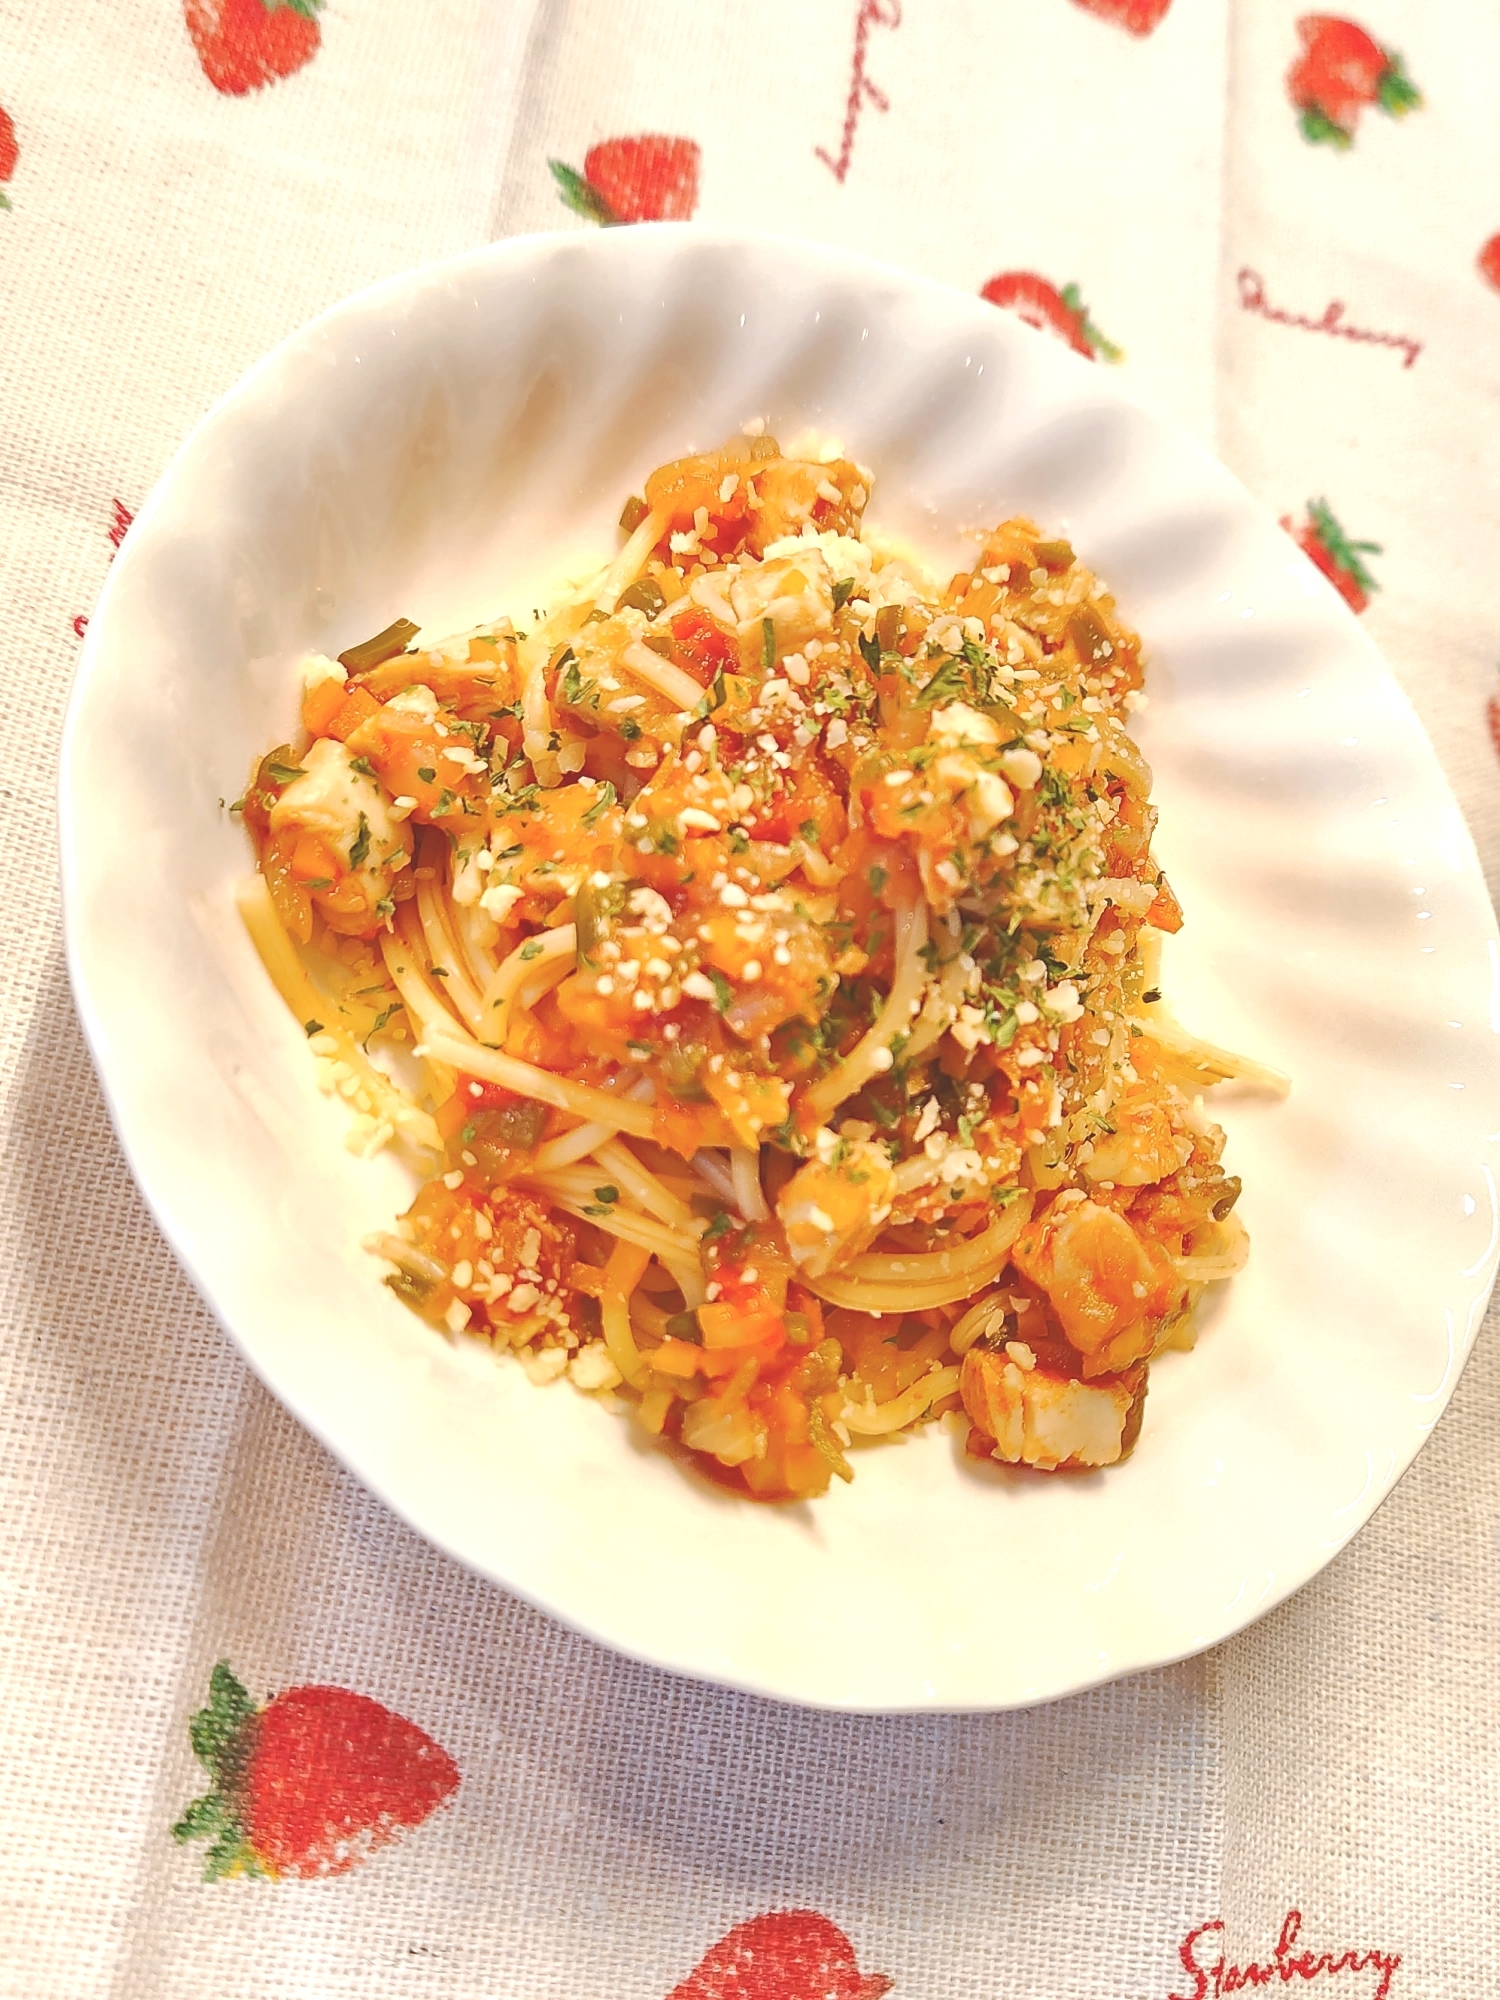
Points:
(1139, 16)
(311, 1784)
(119, 528)
(863, 89)
(784, 1955)
(1489, 261)
(245, 44)
(1340, 70)
(1052, 311)
(646, 178)
(1201, 1954)
(1340, 560)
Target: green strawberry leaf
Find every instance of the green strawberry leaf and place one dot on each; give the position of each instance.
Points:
(203, 1817)
(231, 1855)
(1396, 92)
(308, 9)
(1346, 554)
(581, 197)
(5, 201)
(1072, 298)
(216, 1732)
(1319, 130)
(1105, 348)
(220, 1735)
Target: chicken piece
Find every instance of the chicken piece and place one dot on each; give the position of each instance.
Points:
(342, 838)
(794, 592)
(595, 681)
(830, 1210)
(1143, 1148)
(1032, 1412)
(1111, 1291)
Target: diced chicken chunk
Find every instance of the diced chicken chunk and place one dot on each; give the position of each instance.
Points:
(350, 844)
(1143, 1148)
(1111, 1289)
(1039, 1417)
(794, 592)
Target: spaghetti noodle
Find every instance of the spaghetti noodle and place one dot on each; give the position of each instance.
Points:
(759, 955)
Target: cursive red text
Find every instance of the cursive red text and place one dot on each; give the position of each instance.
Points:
(119, 527)
(1202, 1954)
(1253, 300)
(872, 14)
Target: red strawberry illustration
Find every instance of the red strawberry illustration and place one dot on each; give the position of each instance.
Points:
(311, 1784)
(1340, 70)
(1492, 716)
(643, 179)
(10, 152)
(784, 1955)
(1138, 16)
(245, 44)
(1340, 560)
(1051, 311)
(1489, 261)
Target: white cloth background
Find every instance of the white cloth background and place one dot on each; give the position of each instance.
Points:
(161, 1512)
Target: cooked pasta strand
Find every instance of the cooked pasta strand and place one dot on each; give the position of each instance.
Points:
(627, 1261)
(865, 1059)
(744, 1172)
(570, 1146)
(629, 563)
(583, 1100)
(617, 1160)
(1215, 1065)
(555, 950)
(872, 1419)
(921, 1267)
(679, 688)
(446, 959)
(389, 1105)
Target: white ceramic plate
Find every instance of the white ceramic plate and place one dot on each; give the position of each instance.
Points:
(440, 446)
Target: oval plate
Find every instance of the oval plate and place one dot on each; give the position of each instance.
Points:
(444, 447)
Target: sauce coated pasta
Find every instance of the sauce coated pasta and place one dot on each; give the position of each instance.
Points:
(760, 958)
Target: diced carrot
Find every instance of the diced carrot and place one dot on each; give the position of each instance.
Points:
(679, 489)
(684, 1128)
(809, 807)
(313, 860)
(357, 706)
(321, 704)
(676, 1357)
(727, 1326)
(719, 1361)
(1166, 912)
(408, 756)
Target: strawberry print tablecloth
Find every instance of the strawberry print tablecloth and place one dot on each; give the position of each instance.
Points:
(259, 1739)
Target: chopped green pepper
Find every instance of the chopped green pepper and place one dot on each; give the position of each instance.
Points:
(370, 653)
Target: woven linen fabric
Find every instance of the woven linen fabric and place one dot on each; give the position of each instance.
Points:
(186, 185)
